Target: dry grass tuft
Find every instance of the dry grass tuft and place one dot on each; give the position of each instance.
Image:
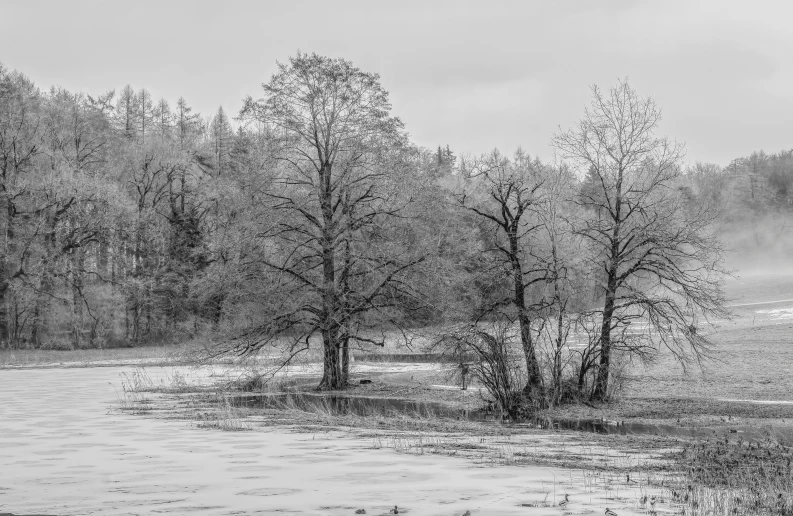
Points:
(227, 418)
(132, 395)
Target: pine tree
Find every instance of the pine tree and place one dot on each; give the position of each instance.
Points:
(126, 111)
(187, 123)
(145, 113)
(164, 117)
(221, 135)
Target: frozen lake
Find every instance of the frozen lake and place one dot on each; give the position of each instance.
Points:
(64, 451)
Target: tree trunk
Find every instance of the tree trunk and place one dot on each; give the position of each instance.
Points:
(138, 295)
(557, 357)
(345, 291)
(582, 371)
(102, 256)
(115, 250)
(4, 342)
(345, 360)
(600, 392)
(533, 388)
(41, 310)
(77, 300)
(8, 234)
(331, 371)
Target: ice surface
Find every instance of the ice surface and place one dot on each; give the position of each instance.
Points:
(63, 450)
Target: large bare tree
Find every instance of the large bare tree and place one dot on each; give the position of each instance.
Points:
(334, 259)
(660, 265)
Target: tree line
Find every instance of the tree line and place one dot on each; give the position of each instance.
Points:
(315, 223)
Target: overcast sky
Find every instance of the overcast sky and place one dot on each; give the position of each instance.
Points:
(473, 75)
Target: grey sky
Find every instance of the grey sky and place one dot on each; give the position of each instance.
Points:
(474, 75)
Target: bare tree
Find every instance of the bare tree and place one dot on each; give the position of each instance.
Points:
(337, 259)
(508, 194)
(660, 265)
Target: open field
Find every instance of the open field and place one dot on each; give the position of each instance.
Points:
(754, 359)
(749, 382)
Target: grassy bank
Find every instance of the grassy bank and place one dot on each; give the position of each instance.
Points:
(693, 412)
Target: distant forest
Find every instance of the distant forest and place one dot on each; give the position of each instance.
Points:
(127, 220)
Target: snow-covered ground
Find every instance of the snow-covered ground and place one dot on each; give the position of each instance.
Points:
(778, 313)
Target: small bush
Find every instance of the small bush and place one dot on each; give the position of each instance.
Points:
(497, 364)
(57, 343)
(568, 393)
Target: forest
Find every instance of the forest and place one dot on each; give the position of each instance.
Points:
(310, 221)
